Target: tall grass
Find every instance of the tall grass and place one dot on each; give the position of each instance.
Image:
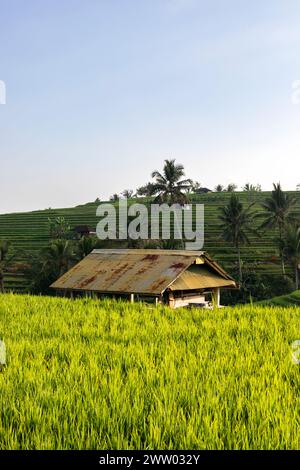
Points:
(108, 375)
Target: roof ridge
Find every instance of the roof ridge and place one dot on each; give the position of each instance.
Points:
(150, 251)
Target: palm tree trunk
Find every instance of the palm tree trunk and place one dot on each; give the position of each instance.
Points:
(281, 252)
(240, 263)
(282, 264)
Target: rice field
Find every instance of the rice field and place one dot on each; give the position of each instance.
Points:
(29, 232)
(86, 374)
(284, 300)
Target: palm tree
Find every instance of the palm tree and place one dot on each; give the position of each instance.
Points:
(291, 249)
(195, 186)
(50, 264)
(147, 190)
(252, 188)
(114, 198)
(231, 188)
(58, 257)
(5, 259)
(127, 193)
(278, 212)
(236, 222)
(169, 185)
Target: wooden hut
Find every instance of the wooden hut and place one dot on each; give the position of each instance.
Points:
(173, 277)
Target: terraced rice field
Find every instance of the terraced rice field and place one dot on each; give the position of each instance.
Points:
(29, 233)
(284, 300)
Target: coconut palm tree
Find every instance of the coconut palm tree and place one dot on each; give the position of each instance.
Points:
(278, 212)
(58, 257)
(114, 198)
(169, 186)
(252, 188)
(291, 249)
(127, 193)
(237, 222)
(231, 188)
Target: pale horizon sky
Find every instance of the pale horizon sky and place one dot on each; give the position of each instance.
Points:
(100, 92)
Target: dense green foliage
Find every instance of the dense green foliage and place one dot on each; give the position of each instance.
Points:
(236, 223)
(284, 300)
(29, 232)
(86, 374)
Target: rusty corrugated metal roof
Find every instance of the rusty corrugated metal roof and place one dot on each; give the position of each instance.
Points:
(200, 277)
(131, 271)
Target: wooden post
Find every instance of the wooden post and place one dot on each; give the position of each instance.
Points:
(216, 296)
(171, 300)
(132, 298)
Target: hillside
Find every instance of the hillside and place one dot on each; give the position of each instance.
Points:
(284, 300)
(29, 232)
(86, 374)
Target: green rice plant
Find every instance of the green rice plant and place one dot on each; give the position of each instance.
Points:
(88, 374)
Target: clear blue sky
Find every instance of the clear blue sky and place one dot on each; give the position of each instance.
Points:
(100, 92)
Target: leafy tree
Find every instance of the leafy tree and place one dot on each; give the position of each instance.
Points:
(51, 263)
(278, 211)
(86, 245)
(6, 257)
(231, 188)
(195, 186)
(291, 249)
(219, 188)
(169, 186)
(114, 198)
(160, 243)
(58, 256)
(171, 244)
(147, 190)
(256, 285)
(59, 228)
(237, 222)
